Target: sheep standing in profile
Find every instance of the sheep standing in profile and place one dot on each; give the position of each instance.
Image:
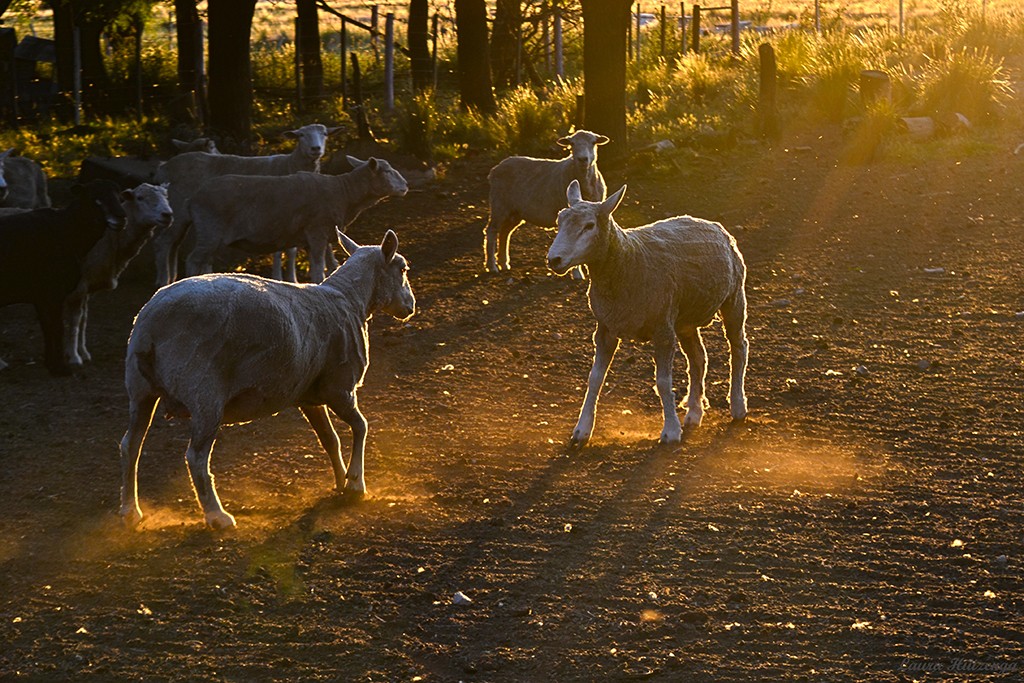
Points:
(146, 208)
(222, 349)
(189, 172)
(533, 190)
(660, 283)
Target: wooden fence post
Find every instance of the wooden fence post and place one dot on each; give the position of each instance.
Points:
(389, 62)
(559, 66)
(362, 125)
(546, 32)
(373, 33)
(138, 66)
(695, 29)
(344, 60)
(298, 70)
(433, 48)
(662, 24)
(767, 116)
(735, 27)
(638, 31)
(682, 28)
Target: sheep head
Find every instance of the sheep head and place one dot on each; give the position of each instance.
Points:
(311, 139)
(384, 179)
(582, 229)
(583, 145)
(392, 292)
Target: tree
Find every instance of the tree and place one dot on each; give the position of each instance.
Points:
(309, 52)
(508, 23)
(474, 65)
(230, 69)
(190, 61)
(419, 55)
(605, 27)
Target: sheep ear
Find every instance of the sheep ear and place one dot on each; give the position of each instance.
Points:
(389, 247)
(336, 129)
(290, 134)
(374, 164)
(603, 140)
(609, 205)
(127, 196)
(353, 161)
(564, 142)
(347, 243)
(179, 144)
(7, 153)
(572, 193)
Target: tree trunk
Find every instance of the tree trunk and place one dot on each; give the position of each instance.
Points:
(63, 28)
(419, 54)
(605, 27)
(96, 91)
(474, 65)
(505, 41)
(190, 55)
(309, 44)
(230, 22)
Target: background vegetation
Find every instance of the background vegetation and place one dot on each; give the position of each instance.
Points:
(956, 56)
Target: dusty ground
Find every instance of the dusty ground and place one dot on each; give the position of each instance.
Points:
(855, 528)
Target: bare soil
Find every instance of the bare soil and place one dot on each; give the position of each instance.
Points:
(860, 525)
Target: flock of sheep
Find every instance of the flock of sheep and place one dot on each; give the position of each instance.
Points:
(199, 349)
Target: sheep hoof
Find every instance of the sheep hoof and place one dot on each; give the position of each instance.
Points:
(220, 520)
(671, 436)
(130, 517)
(693, 419)
(577, 441)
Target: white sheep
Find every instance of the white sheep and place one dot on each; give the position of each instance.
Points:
(198, 145)
(146, 209)
(189, 172)
(262, 214)
(660, 283)
(533, 190)
(224, 349)
(22, 183)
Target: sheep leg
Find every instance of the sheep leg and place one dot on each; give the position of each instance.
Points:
(697, 363)
(200, 446)
(51, 320)
(332, 260)
(348, 410)
(82, 350)
(734, 319)
(140, 416)
(577, 273)
(505, 241)
(316, 249)
(292, 255)
(275, 268)
(320, 421)
(605, 346)
(74, 315)
(199, 261)
(664, 353)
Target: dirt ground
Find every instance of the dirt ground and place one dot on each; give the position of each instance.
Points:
(861, 525)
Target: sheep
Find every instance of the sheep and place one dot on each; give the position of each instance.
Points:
(200, 347)
(660, 282)
(198, 145)
(260, 214)
(146, 208)
(532, 190)
(189, 172)
(41, 252)
(22, 183)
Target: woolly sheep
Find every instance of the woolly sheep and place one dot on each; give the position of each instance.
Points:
(533, 190)
(189, 172)
(261, 214)
(199, 347)
(41, 252)
(198, 145)
(22, 183)
(661, 283)
(146, 208)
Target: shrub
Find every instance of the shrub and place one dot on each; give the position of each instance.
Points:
(969, 81)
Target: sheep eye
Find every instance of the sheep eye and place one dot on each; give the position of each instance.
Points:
(589, 226)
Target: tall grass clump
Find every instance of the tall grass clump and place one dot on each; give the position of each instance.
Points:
(527, 122)
(968, 81)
